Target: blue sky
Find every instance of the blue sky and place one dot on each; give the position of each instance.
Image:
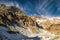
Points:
(46, 8)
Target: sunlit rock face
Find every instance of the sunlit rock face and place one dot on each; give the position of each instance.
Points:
(13, 22)
(52, 25)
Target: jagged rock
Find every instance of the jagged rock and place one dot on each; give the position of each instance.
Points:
(13, 18)
(12, 32)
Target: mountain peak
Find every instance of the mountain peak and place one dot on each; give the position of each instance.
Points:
(11, 16)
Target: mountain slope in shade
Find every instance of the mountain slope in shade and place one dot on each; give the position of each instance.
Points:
(15, 25)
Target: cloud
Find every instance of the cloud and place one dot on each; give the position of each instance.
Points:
(47, 8)
(44, 8)
(10, 3)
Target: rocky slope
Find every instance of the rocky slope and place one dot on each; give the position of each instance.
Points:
(52, 24)
(14, 22)
(15, 25)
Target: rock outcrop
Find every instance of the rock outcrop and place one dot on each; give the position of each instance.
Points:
(15, 20)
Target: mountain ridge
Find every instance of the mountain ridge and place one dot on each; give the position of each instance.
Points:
(14, 23)
(11, 17)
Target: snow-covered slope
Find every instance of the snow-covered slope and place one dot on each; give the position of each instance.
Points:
(5, 34)
(53, 20)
